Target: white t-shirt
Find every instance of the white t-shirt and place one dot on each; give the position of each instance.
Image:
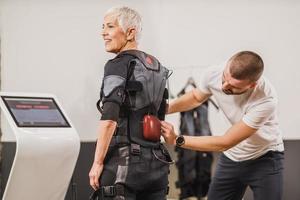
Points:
(257, 108)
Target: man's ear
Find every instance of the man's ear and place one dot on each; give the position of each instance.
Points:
(130, 34)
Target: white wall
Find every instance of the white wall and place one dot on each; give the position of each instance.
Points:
(55, 47)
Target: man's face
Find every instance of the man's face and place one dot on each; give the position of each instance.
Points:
(113, 35)
(232, 86)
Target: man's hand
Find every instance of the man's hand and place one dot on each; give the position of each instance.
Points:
(94, 175)
(168, 132)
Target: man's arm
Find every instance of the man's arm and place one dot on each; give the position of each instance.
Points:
(232, 137)
(188, 101)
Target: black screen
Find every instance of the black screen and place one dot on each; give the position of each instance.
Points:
(35, 112)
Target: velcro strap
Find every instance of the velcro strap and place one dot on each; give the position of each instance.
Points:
(134, 86)
(166, 94)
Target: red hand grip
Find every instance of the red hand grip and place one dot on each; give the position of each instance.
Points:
(152, 128)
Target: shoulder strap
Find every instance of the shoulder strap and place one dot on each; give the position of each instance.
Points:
(149, 61)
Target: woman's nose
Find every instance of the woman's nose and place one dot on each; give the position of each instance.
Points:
(103, 31)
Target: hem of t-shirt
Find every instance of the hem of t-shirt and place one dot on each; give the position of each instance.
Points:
(278, 149)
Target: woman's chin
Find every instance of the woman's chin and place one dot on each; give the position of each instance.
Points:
(111, 50)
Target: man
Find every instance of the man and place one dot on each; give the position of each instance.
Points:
(130, 162)
(252, 147)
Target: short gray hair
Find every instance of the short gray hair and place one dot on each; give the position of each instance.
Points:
(127, 18)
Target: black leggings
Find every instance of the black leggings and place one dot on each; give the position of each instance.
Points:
(143, 176)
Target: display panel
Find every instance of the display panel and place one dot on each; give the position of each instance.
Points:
(35, 112)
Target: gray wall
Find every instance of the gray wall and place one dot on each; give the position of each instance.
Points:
(55, 47)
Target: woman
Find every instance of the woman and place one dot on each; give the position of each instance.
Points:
(130, 162)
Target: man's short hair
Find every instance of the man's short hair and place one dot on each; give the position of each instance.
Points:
(127, 18)
(246, 65)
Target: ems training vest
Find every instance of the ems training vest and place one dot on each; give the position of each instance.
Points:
(194, 167)
(145, 93)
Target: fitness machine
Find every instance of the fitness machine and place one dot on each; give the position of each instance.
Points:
(47, 147)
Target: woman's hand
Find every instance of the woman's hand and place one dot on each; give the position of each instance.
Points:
(94, 175)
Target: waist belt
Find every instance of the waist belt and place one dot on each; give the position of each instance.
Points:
(123, 151)
(124, 148)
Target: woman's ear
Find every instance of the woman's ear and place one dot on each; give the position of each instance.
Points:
(130, 34)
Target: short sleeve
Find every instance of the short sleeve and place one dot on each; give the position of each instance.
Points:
(114, 80)
(203, 83)
(258, 114)
(115, 75)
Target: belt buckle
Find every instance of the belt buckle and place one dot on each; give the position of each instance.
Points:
(109, 191)
(135, 149)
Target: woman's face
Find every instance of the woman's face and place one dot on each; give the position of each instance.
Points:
(113, 35)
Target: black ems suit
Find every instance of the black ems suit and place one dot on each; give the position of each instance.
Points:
(134, 168)
(194, 167)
